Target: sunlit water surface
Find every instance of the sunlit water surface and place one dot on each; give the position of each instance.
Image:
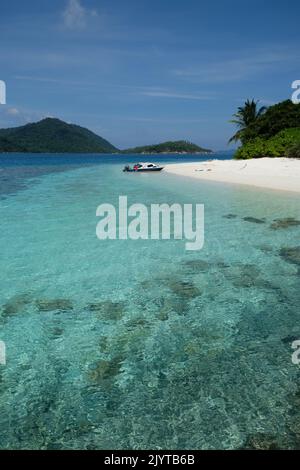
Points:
(141, 344)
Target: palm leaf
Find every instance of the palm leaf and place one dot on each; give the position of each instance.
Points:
(245, 116)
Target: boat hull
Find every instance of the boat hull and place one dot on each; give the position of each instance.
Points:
(146, 170)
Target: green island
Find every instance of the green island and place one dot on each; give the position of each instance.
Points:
(262, 132)
(179, 146)
(267, 132)
(53, 136)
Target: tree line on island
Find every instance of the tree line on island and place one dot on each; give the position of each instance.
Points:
(267, 132)
(261, 131)
(55, 136)
(179, 146)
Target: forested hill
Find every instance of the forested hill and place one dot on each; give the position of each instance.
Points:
(53, 136)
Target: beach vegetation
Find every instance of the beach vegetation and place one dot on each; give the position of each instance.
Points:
(293, 151)
(274, 133)
(281, 145)
(284, 115)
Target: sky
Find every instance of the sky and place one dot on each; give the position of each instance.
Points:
(141, 72)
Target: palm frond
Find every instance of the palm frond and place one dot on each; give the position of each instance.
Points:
(245, 116)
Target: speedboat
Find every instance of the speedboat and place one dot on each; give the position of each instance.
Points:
(138, 167)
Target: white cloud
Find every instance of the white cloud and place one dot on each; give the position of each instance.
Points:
(11, 116)
(37, 79)
(176, 95)
(158, 121)
(76, 16)
(13, 111)
(47, 80)
(239, 68)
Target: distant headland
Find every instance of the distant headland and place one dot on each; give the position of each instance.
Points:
(53, 136)
(179, 146)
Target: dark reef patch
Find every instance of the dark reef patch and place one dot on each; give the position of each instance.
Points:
(52, 305)
(171, 305)
(57, 332)
(196, 265)
(103, 344)
(163, 315)
(261, 442)
(137, 323)
(290, 339)
(246, 275)
(184, 289)
(296, 400)
(104, 370)
(249, 276)
(165, 307)
(107, 309)
(285, 223)
(15, 305)
(222, 265)
(254, 220)
(291, 255)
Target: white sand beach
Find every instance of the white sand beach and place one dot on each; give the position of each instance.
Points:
(273, 173)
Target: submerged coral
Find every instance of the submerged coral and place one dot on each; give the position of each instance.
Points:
(107, 309)
(291, 255)
(52, 305)
(222, 265)
(249, 276)
(103, 370)
(184, 289)
(245, 275)
(196, 265)
(261, 442)
(290, 339)
(173, 304)
(284, 223)
(57, 332)
(139, 322)
(254, 220)
(15, 305)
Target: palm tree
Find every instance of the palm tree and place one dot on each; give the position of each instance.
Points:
(245, 116)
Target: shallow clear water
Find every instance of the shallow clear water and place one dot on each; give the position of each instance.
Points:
(140, 344)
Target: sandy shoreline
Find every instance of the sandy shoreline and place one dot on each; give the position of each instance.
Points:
(274, 173)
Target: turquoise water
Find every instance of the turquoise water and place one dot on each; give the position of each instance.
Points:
(140, 344)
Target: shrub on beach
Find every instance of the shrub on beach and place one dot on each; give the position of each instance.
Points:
(285, 143)
(293, 151)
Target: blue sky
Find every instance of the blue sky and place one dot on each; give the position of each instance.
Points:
(139, 71)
